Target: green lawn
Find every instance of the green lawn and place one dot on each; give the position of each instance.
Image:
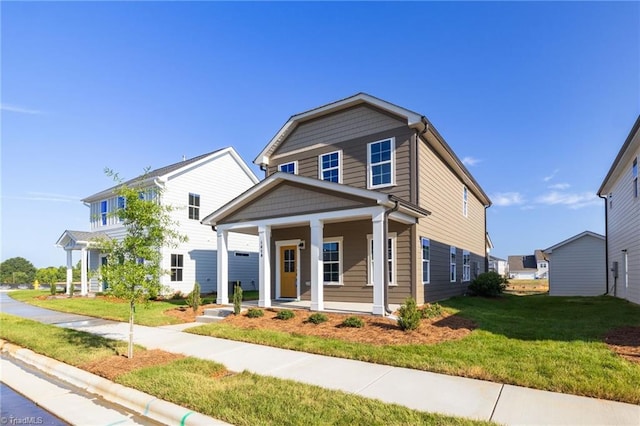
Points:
(541, 342)
(242, 399)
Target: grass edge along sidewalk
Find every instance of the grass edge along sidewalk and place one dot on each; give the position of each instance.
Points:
(206, 387)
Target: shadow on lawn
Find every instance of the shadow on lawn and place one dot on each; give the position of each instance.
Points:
(85, 340)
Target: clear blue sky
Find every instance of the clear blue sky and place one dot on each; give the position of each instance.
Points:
(536, 97)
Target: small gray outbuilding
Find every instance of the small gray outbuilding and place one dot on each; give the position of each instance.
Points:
(577, 266)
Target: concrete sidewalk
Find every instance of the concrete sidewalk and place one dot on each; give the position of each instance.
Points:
(420, 390)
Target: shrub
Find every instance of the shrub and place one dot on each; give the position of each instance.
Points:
(488, 284)
(408, 315)
(354, 322)
(193, 299)
(237, 299)
(285, 314)
(317, 318)
(255, 313)
(431, 310)
(53, 289)
(177, 295)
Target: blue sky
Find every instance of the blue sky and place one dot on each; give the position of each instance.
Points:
(536, 98)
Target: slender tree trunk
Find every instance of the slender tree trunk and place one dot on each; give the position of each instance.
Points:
(132, 308)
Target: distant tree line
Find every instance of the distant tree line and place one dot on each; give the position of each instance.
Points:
(19, 270)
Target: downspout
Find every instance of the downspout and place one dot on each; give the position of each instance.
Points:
(385, 232)
(606, 243)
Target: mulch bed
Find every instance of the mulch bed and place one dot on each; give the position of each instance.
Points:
(625, 341)
(117, 365)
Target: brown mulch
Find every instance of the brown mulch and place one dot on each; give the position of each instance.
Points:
(117, 365)
(377, 330)
(625, 341)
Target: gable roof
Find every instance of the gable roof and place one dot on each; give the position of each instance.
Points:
(630, 145)
(277, 178)
(574, 238)
(79, 238)
(164, 173)
(414, 120)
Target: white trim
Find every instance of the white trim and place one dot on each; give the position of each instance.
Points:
(422, 260)
(393, 236)
(466, 268)
(279, 244)
(295, 167)
(321, 170)
(391, 161)
(454, 264)
(340, 241)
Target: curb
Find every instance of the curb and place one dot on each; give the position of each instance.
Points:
(144, 404)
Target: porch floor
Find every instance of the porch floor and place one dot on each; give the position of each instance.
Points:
(337, 307)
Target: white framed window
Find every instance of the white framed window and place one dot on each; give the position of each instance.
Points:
(391, 258)
(634, 174)
(291, 167)
(466, 266)
(332, 261)
(426, 260)
(103, 212)
(194, 206)
(330, 166)
(465, 201)
(453, 274)
(177, 265)
(380, 163)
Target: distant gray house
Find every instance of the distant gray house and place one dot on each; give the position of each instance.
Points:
(577, 267)
(498, 265)
(528, 267)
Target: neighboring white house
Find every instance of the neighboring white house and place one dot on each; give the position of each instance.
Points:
(577, 266)
(193, 187)
(528, 267)
(621, 192)
(498, 265)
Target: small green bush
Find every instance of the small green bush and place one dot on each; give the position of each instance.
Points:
(488, 284)
(53, 289)
(408, 315)
(237, 299)
(285, 314)
(432, 310)
(255, 313)
(193, 299)
(317, 318)
(354, 322)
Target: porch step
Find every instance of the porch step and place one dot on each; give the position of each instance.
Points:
(214, 315)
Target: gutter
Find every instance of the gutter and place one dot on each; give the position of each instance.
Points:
(606, 243)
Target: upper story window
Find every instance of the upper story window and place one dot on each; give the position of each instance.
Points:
(453, 274)
(291, 167)
(634, 174)
(426, 260)
(329, 166)
(380, 163)
(104, 211)
(465, 201)
(194, 206)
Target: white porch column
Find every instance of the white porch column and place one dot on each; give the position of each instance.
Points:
(264, 278)
(69, 270)
(317, 272)
(222, 291)
(84, 288)
(378, 263)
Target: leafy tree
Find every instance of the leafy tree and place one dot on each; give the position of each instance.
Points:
(17, 270)
(49, 276)
(133, 268)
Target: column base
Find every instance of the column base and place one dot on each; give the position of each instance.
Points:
(264, 303)
(378, 310)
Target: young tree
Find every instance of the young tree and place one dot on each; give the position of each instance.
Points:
(133, 268)
(48, 276)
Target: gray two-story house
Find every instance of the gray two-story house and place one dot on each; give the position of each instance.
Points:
(363, 201)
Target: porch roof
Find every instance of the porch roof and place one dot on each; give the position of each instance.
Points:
(332, 189)
(78, 239)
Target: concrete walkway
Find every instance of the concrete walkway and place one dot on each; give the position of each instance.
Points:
(420, 390)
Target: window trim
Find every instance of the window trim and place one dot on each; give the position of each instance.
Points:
(193, 209)
(295, 167)
(453, 269)
(465, 201)
(634, 177)
(466, 266)
(179, 266)
(428, 260)
(339, 166)
(393, 237)
(391, 161)
(340, 241)
(104, 211)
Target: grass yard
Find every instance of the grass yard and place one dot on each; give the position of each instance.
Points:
(542, 342)
(205, 386)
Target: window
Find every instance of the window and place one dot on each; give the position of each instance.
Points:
(289, 167)
(391, 256)
(634, 173)
(452, 268)
(332, 261)
(329, 166)
(380, 163)
(103, 211)
(466, 266)
(177, 264)
(426, 260)
(121, 204)
(465, 201)
(194, 206)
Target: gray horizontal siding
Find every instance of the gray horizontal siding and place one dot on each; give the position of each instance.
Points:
(578, 268)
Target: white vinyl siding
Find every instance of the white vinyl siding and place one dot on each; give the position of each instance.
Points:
(380, 163)
(330, 166)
